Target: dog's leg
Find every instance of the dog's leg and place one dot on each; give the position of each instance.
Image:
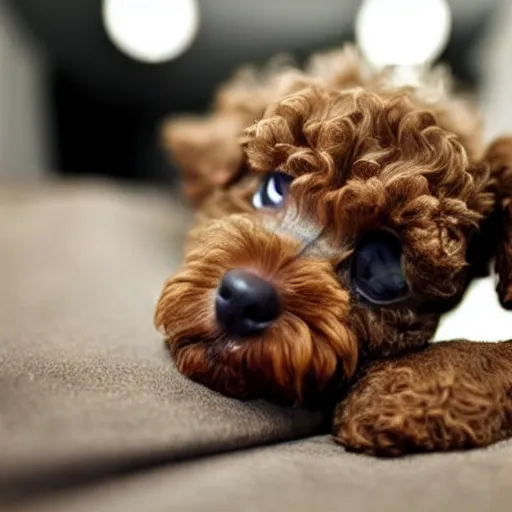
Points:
(499, 156)
(504, 260)
(450, 395)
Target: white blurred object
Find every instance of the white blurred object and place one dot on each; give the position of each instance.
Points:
(404, 33)
(480, 316)
(151, 30)
(24, 126)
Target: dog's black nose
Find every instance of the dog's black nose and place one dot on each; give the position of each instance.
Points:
(245, 303)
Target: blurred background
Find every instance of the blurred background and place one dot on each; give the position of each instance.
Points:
(79, 97)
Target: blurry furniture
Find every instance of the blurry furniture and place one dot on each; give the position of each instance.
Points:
(25, 135)
(492, 59)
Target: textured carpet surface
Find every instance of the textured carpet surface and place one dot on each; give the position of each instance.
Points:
(306, 476)
(86, 384)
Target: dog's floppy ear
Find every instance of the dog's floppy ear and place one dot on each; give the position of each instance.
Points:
(206, 151)
(499, 156)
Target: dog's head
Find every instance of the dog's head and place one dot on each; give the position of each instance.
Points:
(341, 225)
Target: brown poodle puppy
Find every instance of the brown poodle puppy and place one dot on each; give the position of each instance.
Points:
(339, 215)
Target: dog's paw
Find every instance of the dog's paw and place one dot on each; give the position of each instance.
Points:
(386, 433)
(385, 417)
(394, 409)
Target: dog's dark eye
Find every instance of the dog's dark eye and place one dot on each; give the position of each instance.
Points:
(377, 273)
(272, 191)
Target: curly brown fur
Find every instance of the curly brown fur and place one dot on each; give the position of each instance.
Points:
(364, 156)
(450, 395)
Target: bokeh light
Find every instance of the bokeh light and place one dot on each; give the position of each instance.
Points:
(151, 30)
(403, 32)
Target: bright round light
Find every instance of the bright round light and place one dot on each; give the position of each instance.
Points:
(151, 30)
(403, 32)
